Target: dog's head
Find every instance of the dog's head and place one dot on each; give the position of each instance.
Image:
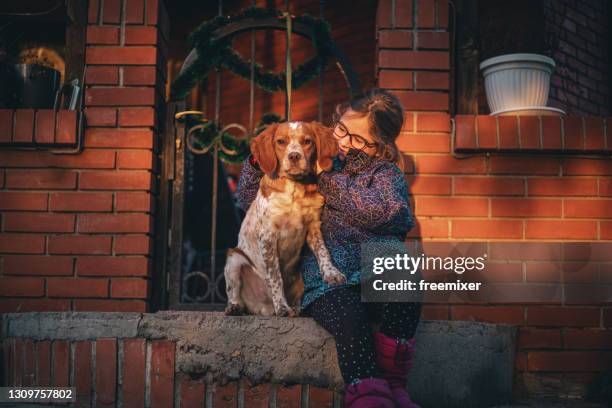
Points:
(292, 149)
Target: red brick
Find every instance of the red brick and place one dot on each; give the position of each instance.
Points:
(258, 396)
(134, 11)
(119, 96)
(508, 132)
(426, 101)
(384, 12)
(135, 159)
(587, 167)
(114, 223)
(403, 13)
(162, 373)
(449, 165)
(43, 376)
(41, 179)
(34, 305)
(94, 6)
(45, 126)
(424, 143)
(529, 132)
(588, 208)
(139, 75)
(395, 79)
(128, 201)
(102, 35)
(12, 200)
(432, 80)
(434, 185)
(605, 187)
(566, 186)
(394, 39)
(568, 361)
(574, 139)
(121, 55)
(134, 355)
(489, 314)
(152, 12)
(76, 288)
(101, 116)
(116, 138)
(112, 266)
(83, 371)
(106, 372)
(130, 288)
(79, 244)
(6, 125)
(112, 11)
(288, 396)
(81, 201)
(523, 165)
(61, 363)
(192, 394)
(560, 229)
(426, 14)
(29, 366)
(562, 316)
(525, 207)
(442, 14)
(225, 395)
(43, 159)
(465, 132)
(102, 75)
(36, 222)
(487, 229)
(115, 180)
(66, 127)
(136, 117)
(433, 122)
(17, 360)
(451, 206)
(140, 36)
(551, 132)
(414, 59)
(587, 339)
(133, 245)
(607, 317)
(39, 265)
(22, 243)
(101, 305)
(465, 185)
(426, 228)
(433, 40)
(487, 132)
(24, 126)
(533, 338)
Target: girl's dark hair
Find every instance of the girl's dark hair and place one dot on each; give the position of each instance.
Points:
(386, 117)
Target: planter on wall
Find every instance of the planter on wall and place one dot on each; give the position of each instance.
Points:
(518, 84)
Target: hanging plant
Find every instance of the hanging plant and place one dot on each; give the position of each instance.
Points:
(218, 53)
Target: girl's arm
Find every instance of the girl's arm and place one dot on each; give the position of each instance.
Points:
(248, 184)
(374, 201)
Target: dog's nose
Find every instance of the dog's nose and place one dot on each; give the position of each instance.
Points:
(294, 157)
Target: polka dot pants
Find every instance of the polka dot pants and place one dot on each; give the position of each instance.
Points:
(345, 317)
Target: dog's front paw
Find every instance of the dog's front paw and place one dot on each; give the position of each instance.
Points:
(333, 276)
(234, 309)
(286, 311)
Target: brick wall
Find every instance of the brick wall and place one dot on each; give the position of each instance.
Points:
(581, 82)
(521, 196)
(77, 228)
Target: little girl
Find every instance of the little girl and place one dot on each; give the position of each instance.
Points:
(366, 198)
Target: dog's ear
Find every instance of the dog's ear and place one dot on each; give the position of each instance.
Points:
(262, 148)
(327, 145)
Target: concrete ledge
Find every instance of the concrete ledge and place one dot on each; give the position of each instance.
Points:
(458, 363)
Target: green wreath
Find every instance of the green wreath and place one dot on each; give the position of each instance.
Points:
(218, 53)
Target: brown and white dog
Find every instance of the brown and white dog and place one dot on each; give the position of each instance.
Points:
(262, 273)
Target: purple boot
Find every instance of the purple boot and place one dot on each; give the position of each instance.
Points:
(395, 358)
(368, 393)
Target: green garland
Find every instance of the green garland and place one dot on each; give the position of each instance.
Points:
(218, 53)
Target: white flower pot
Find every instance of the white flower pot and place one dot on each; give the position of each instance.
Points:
(517, 81)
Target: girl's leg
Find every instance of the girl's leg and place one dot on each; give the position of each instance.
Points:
(342, 314)
(400, 319)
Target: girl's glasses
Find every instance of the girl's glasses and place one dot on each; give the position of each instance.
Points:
(357, 141)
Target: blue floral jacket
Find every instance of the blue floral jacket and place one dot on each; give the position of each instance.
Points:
(365, 199)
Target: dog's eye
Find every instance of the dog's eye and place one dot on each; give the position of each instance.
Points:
(280, 142)
(307, 142)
